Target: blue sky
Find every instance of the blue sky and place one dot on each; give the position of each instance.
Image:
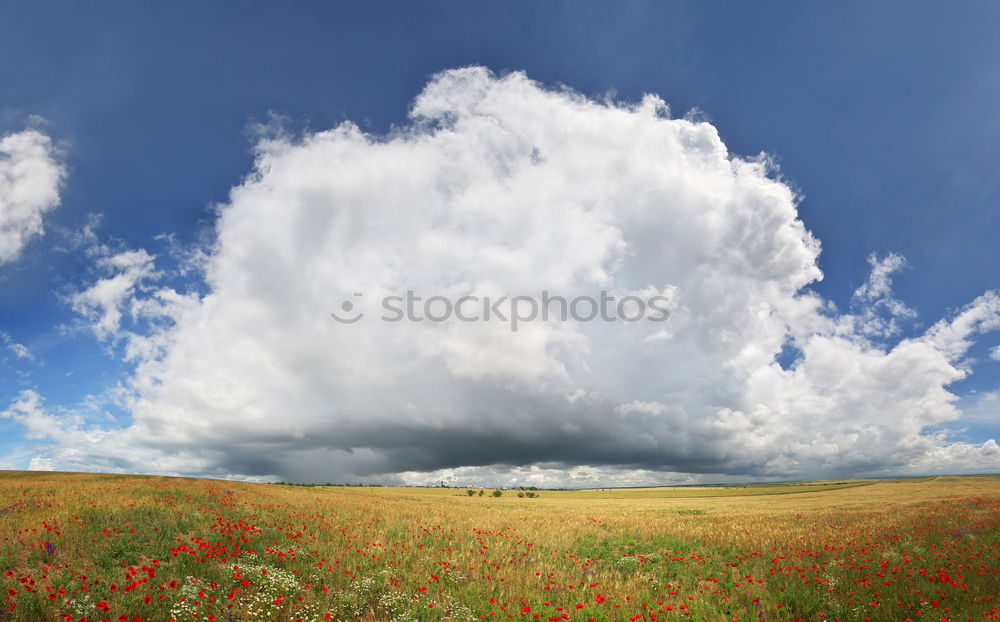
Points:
(884, 118)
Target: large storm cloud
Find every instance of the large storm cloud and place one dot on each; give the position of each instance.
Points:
(500, 186)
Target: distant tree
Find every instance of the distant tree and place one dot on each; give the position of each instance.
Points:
(520, 494)
(497, 492)
(480, 493)
(470, 492)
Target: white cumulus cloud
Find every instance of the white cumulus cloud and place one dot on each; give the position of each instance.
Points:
(501, 187)
(30, 175)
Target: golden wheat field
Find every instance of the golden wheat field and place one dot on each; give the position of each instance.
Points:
(140, 548)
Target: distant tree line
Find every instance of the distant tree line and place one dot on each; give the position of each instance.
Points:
(329, 484)
(497, 492)
(522, 491)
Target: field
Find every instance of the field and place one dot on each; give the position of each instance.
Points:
(130, 548)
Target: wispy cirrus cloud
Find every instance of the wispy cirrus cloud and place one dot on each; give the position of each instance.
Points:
(19, 350)
(880, 312)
